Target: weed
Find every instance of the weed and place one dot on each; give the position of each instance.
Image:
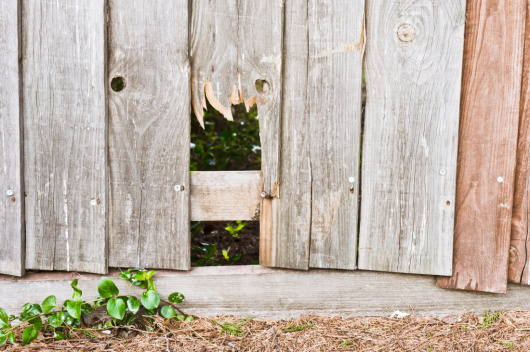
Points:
(508, 344)
(233, 328)
(298, 327)
(490, 318)
(345, 343)
(234, 230)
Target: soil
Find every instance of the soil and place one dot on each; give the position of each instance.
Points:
(213, 232)
(509, 331)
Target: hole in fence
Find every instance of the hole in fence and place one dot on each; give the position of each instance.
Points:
(448, 203)
(262, 86)
(226, 146)
(117, 84)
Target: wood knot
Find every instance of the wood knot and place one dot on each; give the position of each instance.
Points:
(406, 32)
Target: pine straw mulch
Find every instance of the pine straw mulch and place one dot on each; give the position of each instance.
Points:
(507, 331)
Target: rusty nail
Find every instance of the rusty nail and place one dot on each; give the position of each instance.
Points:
(14, 199)
(99, 201)
(178, 188)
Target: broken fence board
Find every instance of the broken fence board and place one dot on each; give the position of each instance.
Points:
(518, 270)
(64, 107)
(336, 48)
(413, 74)
(285, 224)
(221, 196)
(488, 142)
(12, 234)
(149, 134)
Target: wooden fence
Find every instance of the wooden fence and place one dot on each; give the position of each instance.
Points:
(95, 178)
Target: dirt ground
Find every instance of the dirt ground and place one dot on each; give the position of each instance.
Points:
(504, 331)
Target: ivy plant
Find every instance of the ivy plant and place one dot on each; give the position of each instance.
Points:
(65, 319)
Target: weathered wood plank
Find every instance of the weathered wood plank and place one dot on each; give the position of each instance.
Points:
(12, 234)
(232, 195)
(413, 73)
(336, 48)
(488, 141)
(149, 134)
(285, 223)
(273, 293)
(64, 106)
(519, 242)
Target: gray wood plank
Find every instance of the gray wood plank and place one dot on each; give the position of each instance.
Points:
(273, 293)
(336, 48)
(64, 106)
(286, 244)
(149, 134)
(413, 79)
(12, 234)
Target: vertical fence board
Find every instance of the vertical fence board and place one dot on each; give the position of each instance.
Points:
(488, 134)
(149, 134)
(11, 194)
(64, 131)
(519, 242)
(336, 47)
(413, 74)
(286, 243)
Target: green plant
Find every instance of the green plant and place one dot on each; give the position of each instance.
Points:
(233, 328)
(490, 318)
(345, 343)
(298, 327)
(229, 259)
(65, 319)
(203, 256)
(508, 344)
(234, 230)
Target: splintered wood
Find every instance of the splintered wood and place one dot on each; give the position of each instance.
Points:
(488, 140)
(149, 134)
(413, 71)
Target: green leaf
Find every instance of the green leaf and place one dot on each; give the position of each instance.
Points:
(168, 312)
(149, 312)
(3, 337)
(107, 288)
(116, 308)
(150, 274)
(29, 335)
(3, 316)
(176, 297)
(11, 337)
(189, 318)
(141, 276)
(151, 285)
(150, 299)
(77, 292)
(87, 308)
(37, 323)
(48, 304)
(125, 276)
(225, 254)
(133, 304)
(181, 317)
(74, 308)
(56, 319)
(58, 335)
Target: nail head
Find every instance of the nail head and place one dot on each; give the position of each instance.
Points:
(443, 172)
(351, 179)
(9, 192)
(500, 179)
(263, 194)
(93, 202)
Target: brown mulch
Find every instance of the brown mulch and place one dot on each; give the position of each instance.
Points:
(466, 332)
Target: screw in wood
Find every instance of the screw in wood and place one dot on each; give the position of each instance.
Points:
(178, 188)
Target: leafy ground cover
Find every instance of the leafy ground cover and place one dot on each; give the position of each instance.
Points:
(500, 331)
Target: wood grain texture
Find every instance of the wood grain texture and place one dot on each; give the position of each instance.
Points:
(413, 74)
(149, 134)
(336, 48)
(220, 196)
(233, 44)
(12, 234)
(519, 242)
(280, 294)
(491, 90)
(286, 222)
(64, 107)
